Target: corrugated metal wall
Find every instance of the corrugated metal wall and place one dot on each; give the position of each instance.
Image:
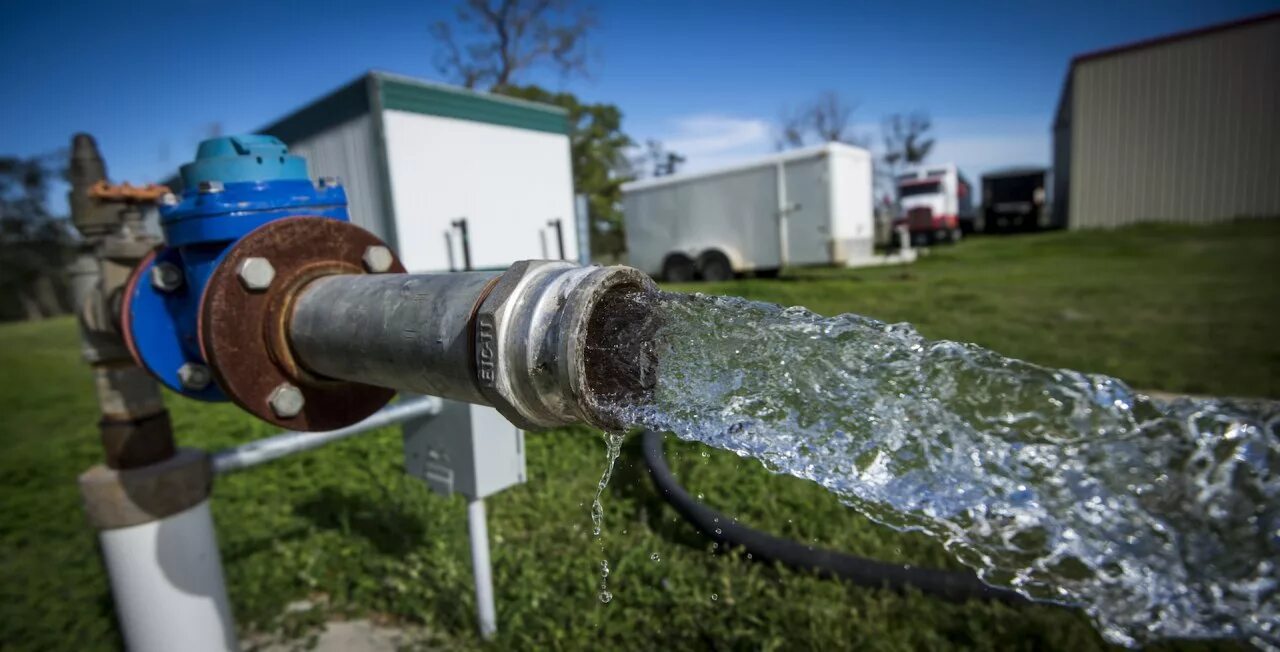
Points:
(349, 152)
(1185, 131)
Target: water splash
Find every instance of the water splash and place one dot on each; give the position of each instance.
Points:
(613, 446)
(1159, 519)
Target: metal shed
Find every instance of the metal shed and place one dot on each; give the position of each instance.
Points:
(1182, 128)
(415, 156)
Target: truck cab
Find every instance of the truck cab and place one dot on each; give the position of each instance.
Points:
(935, 203)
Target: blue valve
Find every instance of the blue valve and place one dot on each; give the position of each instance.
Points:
(235, 185)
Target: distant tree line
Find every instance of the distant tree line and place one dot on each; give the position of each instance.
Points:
(35, 245)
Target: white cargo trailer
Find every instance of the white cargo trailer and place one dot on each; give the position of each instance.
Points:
(810, 206)
(444, 174)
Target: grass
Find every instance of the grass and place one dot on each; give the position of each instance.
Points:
(1174, 308)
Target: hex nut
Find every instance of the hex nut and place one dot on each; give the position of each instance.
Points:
(377, 259)
(286, 401)
(194, 377)
(209, 187)
(328, 182)
(256, 274)
(166, 277)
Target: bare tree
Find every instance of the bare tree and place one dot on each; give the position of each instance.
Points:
(496, 40)
(907, 139)
(829, 117)
(792, 126)
(826, 119)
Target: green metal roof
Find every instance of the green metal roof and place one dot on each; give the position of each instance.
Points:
(398, 93)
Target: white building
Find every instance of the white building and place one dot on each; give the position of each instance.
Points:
(415, 157)
(1181, 128)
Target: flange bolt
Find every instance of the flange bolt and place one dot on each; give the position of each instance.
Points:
(166, 277)
(286, 401)
(256, 274)
(377, 259)
(194, 377)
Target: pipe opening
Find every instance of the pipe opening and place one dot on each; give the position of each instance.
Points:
(621, 352)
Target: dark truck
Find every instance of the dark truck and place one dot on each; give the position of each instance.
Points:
(1015, 199)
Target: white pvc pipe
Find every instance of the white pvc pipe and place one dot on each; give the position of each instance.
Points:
(479, 530)
(166, 577)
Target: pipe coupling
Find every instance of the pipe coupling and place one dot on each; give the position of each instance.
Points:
(532, 336)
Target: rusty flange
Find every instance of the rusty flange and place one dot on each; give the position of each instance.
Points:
(244, 322)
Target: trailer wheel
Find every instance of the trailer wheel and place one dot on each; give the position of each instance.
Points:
(714, 267)
(678, 268)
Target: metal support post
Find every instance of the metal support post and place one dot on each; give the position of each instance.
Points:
(479, 530)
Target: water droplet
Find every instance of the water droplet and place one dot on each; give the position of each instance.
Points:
(700, 496)
(714, 597)
(718, 531)
(655, 556)
(605, 597)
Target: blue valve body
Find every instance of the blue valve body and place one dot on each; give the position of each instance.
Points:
(234, 185)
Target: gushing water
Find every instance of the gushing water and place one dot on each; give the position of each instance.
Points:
(1159, 519)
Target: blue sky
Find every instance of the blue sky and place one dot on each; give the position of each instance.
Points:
(709, 78)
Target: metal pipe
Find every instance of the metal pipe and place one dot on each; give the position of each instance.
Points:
(479, 532)
(518, 341)
(288, 443)
(559, 227)
(461, 225)
(409, 332)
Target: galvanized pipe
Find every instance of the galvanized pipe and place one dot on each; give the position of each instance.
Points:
(406, 331)
(289, 443)
(517, 340)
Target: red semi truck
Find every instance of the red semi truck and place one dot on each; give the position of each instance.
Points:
(935, 203)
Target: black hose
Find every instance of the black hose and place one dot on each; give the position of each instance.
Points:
(951, 585)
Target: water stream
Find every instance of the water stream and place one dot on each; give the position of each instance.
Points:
(1159, 519)
(613, 446)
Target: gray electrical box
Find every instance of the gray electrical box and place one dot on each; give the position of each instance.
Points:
(469, 449)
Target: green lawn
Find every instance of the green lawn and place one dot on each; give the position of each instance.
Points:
(1173, 308)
